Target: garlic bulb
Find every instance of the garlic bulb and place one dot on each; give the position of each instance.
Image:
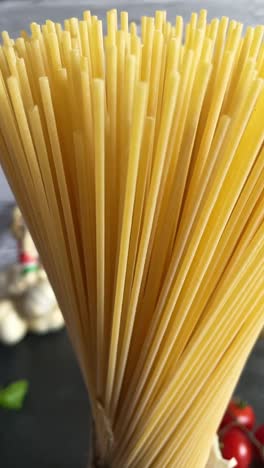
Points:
(25, 308)
(38, 300)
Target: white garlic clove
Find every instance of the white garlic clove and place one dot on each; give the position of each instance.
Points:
(52, 321)
(38, 300)
(6, 306)
(56, 320)
(216, 460)
(12, 328)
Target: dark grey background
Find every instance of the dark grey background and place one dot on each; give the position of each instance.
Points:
(52, 431)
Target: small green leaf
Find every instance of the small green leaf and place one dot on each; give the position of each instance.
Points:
(12, 396)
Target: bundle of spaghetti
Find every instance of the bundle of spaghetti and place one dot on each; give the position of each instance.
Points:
(137, 159)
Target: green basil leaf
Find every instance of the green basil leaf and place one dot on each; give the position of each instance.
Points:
(12, 396)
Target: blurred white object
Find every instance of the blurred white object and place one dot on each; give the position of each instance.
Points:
(12, 327)
(27, 301)
(51, 322)
(216, 460)
(38, 299)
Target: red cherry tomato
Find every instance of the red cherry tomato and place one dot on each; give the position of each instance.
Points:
(240, 412)
(236, 444)
(259, 434)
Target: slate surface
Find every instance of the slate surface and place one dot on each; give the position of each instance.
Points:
(52, 430)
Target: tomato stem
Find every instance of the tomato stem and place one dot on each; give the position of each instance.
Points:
(240, 403)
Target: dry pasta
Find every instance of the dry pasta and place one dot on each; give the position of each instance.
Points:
(137, 159)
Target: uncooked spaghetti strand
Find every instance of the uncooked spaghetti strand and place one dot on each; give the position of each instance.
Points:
(240, 122)
(43, 242)
(184, 303)
(245, 50)
(163, 251)
(236, 270)
(155, 223)
(231, 371)
(12, 140)
(249, 324)
(37, 59)
(89, 219)
(246, 76)
(53, 135)
(153, 327)
(147, 49)
(260, 58)
(126, 100)
(156, 62)
(120, 138)
(195, 313)
(144, 169)
(50, 119)
(258, 244)
(112, 24)
(146, 228)
(165, 320)
(3, 63)
(243, 142)
(160, 19)
(39, 141)
(111, 170)
(24, 82)
(149, 391)
(50, 187)
(172, 158)
(90, 329)
(156, 449)
(257, 41)
(199, 307)
(233, 45)
(99, 138)
(243, 210)
(27, 142)
(185, 153)
(187, 398)
(145, 438)
(185, 71)
(134, 152)
(190, 211)
(212, 118)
